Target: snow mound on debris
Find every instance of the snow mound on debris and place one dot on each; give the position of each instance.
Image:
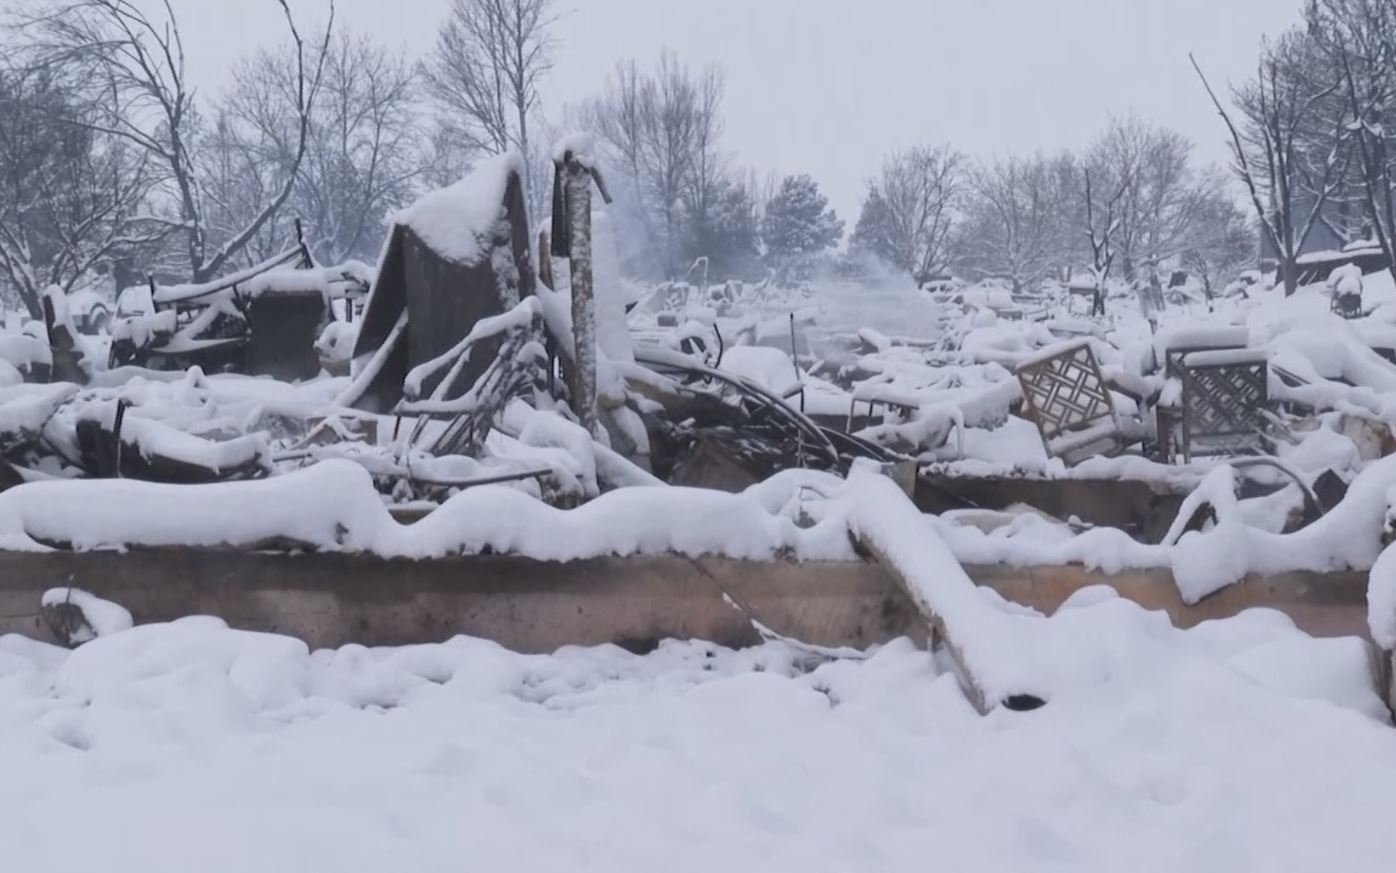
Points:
(102, 617)
(456, 221)
(1214, 748)
(334, 506)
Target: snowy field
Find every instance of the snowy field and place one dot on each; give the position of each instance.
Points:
(1239, 746)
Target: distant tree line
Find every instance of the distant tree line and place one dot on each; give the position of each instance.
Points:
(1310, 134)
(1311, 130)
(110, 156)
(1134, 199)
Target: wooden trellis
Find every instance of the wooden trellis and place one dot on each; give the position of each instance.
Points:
(1225, 395)
(1065, 395)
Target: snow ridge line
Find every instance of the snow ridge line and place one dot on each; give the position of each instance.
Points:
(333, 506)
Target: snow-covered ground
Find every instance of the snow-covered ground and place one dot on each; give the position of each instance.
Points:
(1238, 746)
(1242, 745)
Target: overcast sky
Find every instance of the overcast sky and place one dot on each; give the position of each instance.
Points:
(828, 86)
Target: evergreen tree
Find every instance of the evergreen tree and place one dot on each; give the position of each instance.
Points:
(729, 236)
(874, 233)
(799, 225)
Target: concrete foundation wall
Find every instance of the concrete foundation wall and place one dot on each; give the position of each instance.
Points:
(330, 600)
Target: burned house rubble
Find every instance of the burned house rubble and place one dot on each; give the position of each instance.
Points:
(474, 352)
(774, 474)
(493, 390)
(482, 349)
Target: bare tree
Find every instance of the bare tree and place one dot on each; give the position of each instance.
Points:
(920, 189)
(661, 130)
(1102, 223)
(71, 198)
(1225, 243)
(1266, 149)
(363, 156)
(135, 69)
(1015, 220)
(708, 176)
(621, 117)
(243, 155)
(1147, 171)
(671, 126)
(484, 72)
(1358, 38)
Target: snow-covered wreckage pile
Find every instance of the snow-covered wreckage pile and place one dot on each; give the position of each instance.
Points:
(486, 395)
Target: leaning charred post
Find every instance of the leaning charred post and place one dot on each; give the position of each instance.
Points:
(574, 171)
(583, 375)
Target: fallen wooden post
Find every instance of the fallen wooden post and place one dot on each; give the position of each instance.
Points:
(888, 526)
